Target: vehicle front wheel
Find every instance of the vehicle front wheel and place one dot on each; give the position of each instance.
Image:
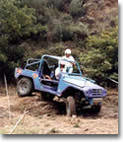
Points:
(70, 106)
(24, 87)
(96, 109)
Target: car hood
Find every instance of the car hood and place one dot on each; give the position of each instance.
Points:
(80, 81)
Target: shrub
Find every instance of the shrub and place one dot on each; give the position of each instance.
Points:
(79, 30)
(69, 31)
(76, 8)
(101, 57)
(55, 49)
(9, 59)
(62, 32)
(55, 4)
(3, 58)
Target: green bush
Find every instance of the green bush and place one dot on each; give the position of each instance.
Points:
(3, 58)
(79, 30)
(76, 8)
(55, 49)
(59, 4)
(69, 31)
(101, 57)
(62, 32)
(9, 59)
(37, 4)
(55, 3)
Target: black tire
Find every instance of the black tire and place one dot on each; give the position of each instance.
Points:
(24, 87)
(46, 96)
(70, 106)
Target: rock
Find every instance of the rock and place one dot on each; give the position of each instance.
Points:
(74, 116)
(86, 129)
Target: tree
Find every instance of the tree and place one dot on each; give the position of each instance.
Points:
(17, 22)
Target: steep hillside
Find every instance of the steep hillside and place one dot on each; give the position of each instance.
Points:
(100, 14)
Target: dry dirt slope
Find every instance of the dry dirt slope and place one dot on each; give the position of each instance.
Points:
(49, 117)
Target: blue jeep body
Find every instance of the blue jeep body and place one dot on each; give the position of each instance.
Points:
(68, 82)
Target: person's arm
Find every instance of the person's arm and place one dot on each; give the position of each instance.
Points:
(73, 60)
(48, 77)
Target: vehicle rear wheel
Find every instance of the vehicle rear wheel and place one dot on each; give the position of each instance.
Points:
(70, 106)
(24, 87)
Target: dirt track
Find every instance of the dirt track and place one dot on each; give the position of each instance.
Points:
(49, 117)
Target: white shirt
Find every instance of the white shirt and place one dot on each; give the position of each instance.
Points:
(70, 58)
(69, 64)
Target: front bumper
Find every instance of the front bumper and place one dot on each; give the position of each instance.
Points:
(97, 101)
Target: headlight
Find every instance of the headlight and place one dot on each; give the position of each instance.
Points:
(100, 91)
(97, 91)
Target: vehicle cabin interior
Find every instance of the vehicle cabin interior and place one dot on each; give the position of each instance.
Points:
(48, 68)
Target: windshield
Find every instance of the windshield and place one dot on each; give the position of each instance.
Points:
(69, 67)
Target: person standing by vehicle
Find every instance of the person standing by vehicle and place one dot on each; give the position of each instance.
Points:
(70, 58)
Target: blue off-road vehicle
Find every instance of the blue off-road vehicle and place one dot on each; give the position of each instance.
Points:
(73, 88)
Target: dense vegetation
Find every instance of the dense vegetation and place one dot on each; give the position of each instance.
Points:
(51, 26)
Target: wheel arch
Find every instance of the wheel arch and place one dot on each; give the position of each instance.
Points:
(21, 76)
(71, 91)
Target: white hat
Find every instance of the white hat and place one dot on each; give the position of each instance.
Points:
(67, 51)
